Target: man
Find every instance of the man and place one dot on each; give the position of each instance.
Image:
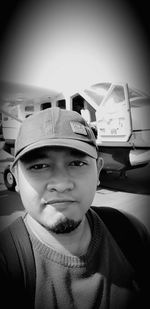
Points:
(77, 261)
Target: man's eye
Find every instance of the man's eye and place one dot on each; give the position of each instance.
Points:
(38, 166)
(77, 163)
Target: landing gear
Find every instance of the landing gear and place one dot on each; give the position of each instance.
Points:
(9, 179)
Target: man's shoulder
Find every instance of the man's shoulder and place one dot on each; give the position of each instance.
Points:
(131, 236)
(111, 213)
(138, 225)
(123, 225)
(5, 221)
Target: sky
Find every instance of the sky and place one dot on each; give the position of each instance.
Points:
(66, 45)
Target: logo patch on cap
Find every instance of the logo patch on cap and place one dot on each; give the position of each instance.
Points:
(78, 128)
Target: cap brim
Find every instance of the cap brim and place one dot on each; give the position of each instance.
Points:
(69, 143)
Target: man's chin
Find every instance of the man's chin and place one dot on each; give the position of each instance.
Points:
(64, 226)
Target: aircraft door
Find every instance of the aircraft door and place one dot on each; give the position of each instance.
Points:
(113, 116)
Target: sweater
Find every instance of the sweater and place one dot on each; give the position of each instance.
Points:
(101, 278)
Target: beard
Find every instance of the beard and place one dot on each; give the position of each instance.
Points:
(64, 226)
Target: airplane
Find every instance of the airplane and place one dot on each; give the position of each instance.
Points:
(122, 125)
(117, 113)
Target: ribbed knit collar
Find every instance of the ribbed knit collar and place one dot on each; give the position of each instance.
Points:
(68, 260)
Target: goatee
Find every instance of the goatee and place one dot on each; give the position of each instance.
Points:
(64, 226)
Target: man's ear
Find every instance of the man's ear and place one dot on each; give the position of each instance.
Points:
(100, 164)
(14, 171)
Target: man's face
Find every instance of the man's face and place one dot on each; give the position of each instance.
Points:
(57, 186)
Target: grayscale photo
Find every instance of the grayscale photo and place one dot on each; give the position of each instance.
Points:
(75, 155)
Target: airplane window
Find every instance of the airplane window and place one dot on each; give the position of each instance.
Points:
(101, 87)
(45, 105)
(61, 104)
(98, 91)
(117, 95)
(29, 108)
(77, 103)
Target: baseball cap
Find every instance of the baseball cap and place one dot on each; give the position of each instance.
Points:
(55, 127)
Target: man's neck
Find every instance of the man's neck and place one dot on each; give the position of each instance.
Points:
(74, 243)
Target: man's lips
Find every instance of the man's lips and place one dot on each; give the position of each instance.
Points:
(59, 202)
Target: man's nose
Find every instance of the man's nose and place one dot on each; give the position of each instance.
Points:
(60, 183)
